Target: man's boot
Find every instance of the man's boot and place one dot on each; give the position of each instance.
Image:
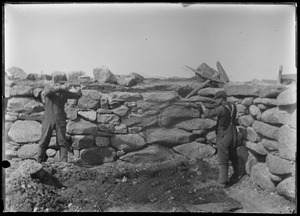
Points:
(63, 153)
(223, 175)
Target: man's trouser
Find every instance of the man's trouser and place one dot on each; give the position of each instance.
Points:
(226, 152)
(48, 126)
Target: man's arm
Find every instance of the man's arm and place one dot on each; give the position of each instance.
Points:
(208, 113)
(48, 90)
(73, 94)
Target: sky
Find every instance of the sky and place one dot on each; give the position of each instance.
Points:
(152, 39)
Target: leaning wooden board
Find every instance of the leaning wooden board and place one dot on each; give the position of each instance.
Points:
(204, 76)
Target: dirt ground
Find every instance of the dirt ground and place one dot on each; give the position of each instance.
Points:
(115, 187)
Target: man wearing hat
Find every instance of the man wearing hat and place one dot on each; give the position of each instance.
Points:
(226, 135)
(55, 97)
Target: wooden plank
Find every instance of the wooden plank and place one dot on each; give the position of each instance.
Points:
(204, 76)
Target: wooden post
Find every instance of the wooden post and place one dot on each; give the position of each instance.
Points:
(279, 79)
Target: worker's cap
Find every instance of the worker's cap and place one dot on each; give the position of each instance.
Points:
(221, 94)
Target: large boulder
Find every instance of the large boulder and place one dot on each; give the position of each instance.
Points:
(141, 121)
(266, 129)
(168, 137)
(25, 131)
(153, 154)
(21, 91)
(241, 89)
(83, 141)
(28, 151)
(98, 155)
(173, 114)
(195, 150)
(223, 74)
(287, 138)
(287, 97)
(279, 166)
(160, 97)
(81, 126)
(260, 176)
(127, 142)
(196, 124)
(16, 73)
(24, 104)
(271, 116)
(287, 188)
(29, 168)
(104, 75)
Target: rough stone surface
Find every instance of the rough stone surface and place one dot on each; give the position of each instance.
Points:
(255, 111)
(137, 77)
(271, 116)
(121, 111)
(145, 105)
(210, 92)
(126, 80)
(71, 112)
(28, 151)
(25, 131)
(276, 178)
(81, 126)
(266, 101)
(195, 150)
(33, 116)
(87, 102)
(106, 128)
(108, 119)
(287, 188)
(50, 152)
(250, 162)
(16, 73)
(196, 124)
(98, 155)
(21, 91)
(234, 100)
(168, 137)
(287, 138)
(266, 129)
(128, 142)
(251, 135)
(102, 141)
(241, 109)
(141, 121)
(90, 115)
(247, 101)
(171, 115)
(211, 136)
(287, 97)
(256, 147)
(287, 115)
(123, 96)
(269, 91)
(24, 104)
(223, 74)
(270, 145)
(246, 120)
(27, 168)
(260, 176)
(83, 141)
(120, 129)
(241, 89)
(104, 75)
(278, 165)
(160, 96)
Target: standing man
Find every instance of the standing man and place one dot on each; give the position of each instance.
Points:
(55, 97)
(226, 136)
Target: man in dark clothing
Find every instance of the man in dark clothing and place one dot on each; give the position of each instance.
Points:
(226, 135)
(55, 97)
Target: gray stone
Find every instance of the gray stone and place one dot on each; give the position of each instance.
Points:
(242, 110)
(173, 114)
(287, 97)
(128, 142)
(90, 115)
(266, 129)
(160, 96)
(109, 128)
(53, 142)
(104, 102)
(102, 141)
(287, 137)
(137, 77)
(28, 151)
(29, 168)
(223, 74)
(195, 150)
(269, 91)
(287, 188)
(24, 104)
(98, 155)
(94, 94)
(71, 112)
(72, 101)
(246, 120)
(168, 137)
(234, 100)
(108, 119)
(198, 132)
(50, 152)
(260, 176)
(270, 145)
(104, 111)
(121, 111)
(251, 135)
(201, 140)
(141, 121)
(83, 141)
(120, 129)
(211, 137)
(278, 165)
(25, 131)
(247, 101)
(87, 102)
(241, 89)
(74, 75)
(255, 111)
(16, 73)
(81, 126)
(198, 98)
(271, 116)
(276, 178)
(33, 116)
(196, 124)
(263, 107)
(11, 118)
(126, 80)
(145, 105)
(134, 130)
(287, 115)
(210, 92)
(251, 161)
(256, 147)
(21, 91)
(104, 75)
(265, 101)
(123, 96)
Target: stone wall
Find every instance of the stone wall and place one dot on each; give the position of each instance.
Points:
(137, 124)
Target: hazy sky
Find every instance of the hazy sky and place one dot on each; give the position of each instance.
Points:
(250, 41)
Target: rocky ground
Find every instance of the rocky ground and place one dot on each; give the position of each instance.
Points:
(121, 187)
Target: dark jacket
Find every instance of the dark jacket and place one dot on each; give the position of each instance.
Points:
(55, 102)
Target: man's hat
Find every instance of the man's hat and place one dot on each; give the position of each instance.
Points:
(221, 94)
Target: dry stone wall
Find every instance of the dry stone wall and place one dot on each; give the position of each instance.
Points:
(141, 124)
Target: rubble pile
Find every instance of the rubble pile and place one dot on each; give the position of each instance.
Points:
(133, 121)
